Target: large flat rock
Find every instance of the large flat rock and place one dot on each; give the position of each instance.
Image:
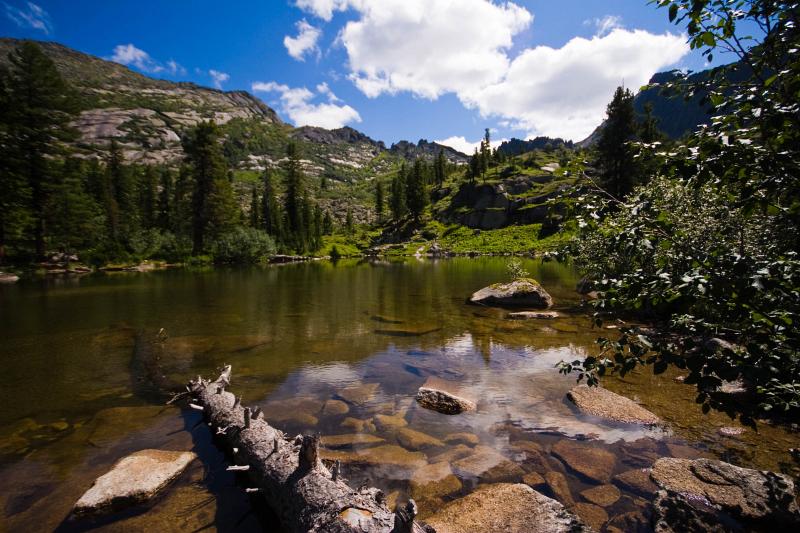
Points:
(134, 479)
(523, 292)
(506, 507)
(595, 464)
(603, 403)
(703, 494)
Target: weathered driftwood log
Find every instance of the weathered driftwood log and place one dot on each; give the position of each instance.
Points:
(289, 475)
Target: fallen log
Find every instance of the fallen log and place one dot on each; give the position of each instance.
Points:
(288, 473)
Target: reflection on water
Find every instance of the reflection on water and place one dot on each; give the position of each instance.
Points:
(338, 350)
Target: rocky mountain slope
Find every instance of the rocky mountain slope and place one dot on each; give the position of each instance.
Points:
(148, 118)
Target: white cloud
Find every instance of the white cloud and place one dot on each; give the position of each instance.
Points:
(305, 42)
(218, 77)
(175, 68)
(429, 48)
(433, 47)
(563, 92)
(33, 17)
(322, 8)
(129, 55)
(604, 25)
(297, 104)
(467, 147)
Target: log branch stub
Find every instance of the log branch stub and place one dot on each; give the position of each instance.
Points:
(288, 472)
(247, 418)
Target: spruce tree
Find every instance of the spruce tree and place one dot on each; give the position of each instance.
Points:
(348, 222)
(74, 217)
(296, 230)
(317, 233)
(148, 198)
(165, 199)
(614, 152)
(440, 168)
(416, 195)
(397, 198)
(212, 197)
(327, 224)
(255, 219)
(38, 107)
(271, 217)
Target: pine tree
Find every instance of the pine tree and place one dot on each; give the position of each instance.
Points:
(165, 199)
(212, 198)
(296, 230)
(379, 200)
(614, 152)
(348, 222)
(327, 224)
(440, 168)
(271, 217)
(416, 195)
(317, 233)
(474, 166)
(38, 107)
(148, 198)
(182, 203)
(397, 198)
(255, 219)
(74, 217)
(648, 125)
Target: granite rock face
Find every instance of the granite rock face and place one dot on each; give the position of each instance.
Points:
(134, 479)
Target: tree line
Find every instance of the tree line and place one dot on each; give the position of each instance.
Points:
(52, 200)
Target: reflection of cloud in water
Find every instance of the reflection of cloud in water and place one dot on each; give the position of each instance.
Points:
(336, 375)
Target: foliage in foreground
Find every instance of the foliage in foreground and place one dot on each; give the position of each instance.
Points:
(708, 249)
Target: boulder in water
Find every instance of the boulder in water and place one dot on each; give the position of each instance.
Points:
(603, 403)
(507, 507)
(134, 479)
(523, 292)
(703, 495)
(444, 397)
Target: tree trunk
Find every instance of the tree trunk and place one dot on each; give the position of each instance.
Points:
(287, 472)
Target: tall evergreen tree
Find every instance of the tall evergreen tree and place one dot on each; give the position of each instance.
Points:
(416, 195)
(148, 197)
(397, 197)
(379, 200)
(317, 233)
(255, 218)
(271, 217)
(74, 217)
(39, 106)
(165, 200)
(474, 168)
(440, 168)
(327, 224)
(212, 197)
(295, 193)
(348, 222)
(614, 152)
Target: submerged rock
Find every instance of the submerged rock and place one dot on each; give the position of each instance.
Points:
(558, 486)
(388, 454)
(434, 481)
(390, 422)
(593, 463)
(470, 439)
(444, 397)
(335, 407)
(487, 465)
(593, 515)
(708, 495)
(414, 440)
(506, 507)
(533, 315)
(637, 481)
(350, 441)
(359, 394)
(134, 479)
(523, 292)
(603, 403)
(603, 495)
(5, 277)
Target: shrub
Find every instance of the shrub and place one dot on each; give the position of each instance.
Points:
(243, 246)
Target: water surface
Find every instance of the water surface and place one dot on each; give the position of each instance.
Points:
(334, 349)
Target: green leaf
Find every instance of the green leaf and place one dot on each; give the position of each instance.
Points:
(673, 12)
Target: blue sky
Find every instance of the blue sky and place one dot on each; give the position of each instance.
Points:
(394, 69)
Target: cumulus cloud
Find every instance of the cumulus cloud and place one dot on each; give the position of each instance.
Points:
(31, 16)
(429, 48)
(563, 92)
(218, 77)
(129, 55)
(464, 146)
(175, 68)
(304, 43)
(323, 9)
(604, 25)
(432, 47)
(298, 104)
